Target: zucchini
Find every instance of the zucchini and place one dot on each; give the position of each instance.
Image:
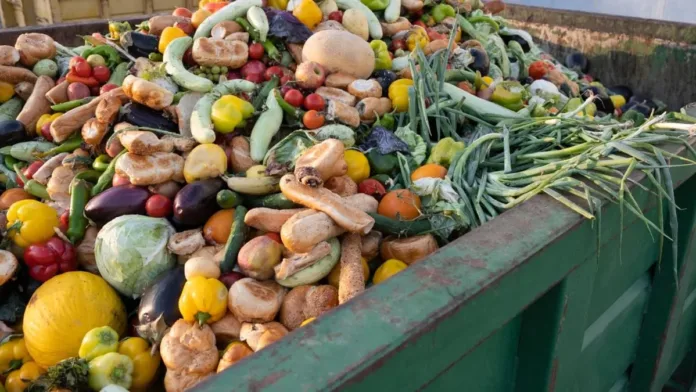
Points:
(372, 21)
(175, 67)
(231, 11)
(258, 20)
(265, 128)
(10, 109)
(317, 271)
(400, 228)
(277, 201)
(234, 241)
(119, 74)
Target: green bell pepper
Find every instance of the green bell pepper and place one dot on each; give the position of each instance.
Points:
(442, 11)
(387, 121)
(376, 5)
(110, 368)
(510, 95)
(382, 59)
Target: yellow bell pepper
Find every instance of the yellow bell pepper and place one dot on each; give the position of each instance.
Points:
(398, 93)
(145, 363)
(278, 4)
(309, 13)
(203, 300)
(97, 342)
(31, 222)
(388, 269)
(358, 166)
(13, 354)
(417, 37)
(168, 35)
(205, 161)
(19, 380)
(228, 113)
(6, 92)
(110, 368)
(46, 118)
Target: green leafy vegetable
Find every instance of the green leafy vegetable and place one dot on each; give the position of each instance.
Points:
(110, 54)
(416, 144)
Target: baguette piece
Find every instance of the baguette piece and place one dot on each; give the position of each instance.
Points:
(268, 219)
(220, 52)
(321, 162)
(351, 281)
(37, 104)
(68, 123)
(14, 75)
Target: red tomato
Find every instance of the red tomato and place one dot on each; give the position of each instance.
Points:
(314, 101)
(285, 79)
(180, 11)
(80, 67)
(120, 180)
(294, 97)
(275, 237)
(158, 206)
(29, 171)
(337, 16)
(46, 131)
(106, 88)
(397, 44)
(274, 70)
(313, 119)
(101, 73)
(372, 187)
(538, 69)
(256, 51)
(214, 7)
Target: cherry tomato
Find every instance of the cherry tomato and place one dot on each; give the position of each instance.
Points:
(65, 221)
(313, 119)
(158, 206)
(256, 51)
(274, 70)
(275, 237)
(46, 131)
(106, 88)
(397, 44)
(372, 187)
(337, 16)
(285, 79)
(314, 101)
(180, 11)
(294, 97)
(120, 180)
(101, 73)
(29, 171)
(80, 67)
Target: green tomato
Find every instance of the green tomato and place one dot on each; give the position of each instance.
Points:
(96, 60)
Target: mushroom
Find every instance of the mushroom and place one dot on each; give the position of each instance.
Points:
(8, 266)
(186, 242)
(401, 24)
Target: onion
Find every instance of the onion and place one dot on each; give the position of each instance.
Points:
(253, 301)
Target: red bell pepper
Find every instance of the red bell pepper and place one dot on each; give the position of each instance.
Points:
(50, 258)
(539, 69)
(91, 81)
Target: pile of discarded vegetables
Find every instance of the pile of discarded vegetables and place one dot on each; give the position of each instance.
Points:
(185, 192)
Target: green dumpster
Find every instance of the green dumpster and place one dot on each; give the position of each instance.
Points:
(539, 299)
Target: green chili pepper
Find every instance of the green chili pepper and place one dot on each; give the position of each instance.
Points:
(79, 194)
(442, 11)
(101, 162)
(105, 179)
(10, 161)
(74, 142)
(263, 93)
(485, 19)
(376, 5)
(381, 50)
(66, 106)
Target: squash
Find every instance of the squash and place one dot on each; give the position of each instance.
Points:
(340, 51)
(63, 310)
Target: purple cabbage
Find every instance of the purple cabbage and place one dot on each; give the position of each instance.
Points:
(384, 141)
(286, 26)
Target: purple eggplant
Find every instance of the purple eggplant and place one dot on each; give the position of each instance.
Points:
(116, 201)
(196, 202)
(159, 305)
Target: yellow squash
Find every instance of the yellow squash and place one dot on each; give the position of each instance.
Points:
(63, 310)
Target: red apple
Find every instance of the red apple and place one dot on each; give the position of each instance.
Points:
(310, 75)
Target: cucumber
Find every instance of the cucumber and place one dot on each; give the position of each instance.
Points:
(277, 201)
(231, 11)
(265, 128)
(372, 21)
(400, 228)
(228, 199)
(119, 74)
(258, 20)
(317, 271)
(10, 109)
(234, 241)
(174, 67)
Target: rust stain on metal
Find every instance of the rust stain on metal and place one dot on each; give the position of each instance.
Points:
(554, 374)
(266, 381)
(476, 263)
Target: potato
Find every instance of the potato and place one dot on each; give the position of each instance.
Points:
(356, 22)
(340, 51)
(78, 91)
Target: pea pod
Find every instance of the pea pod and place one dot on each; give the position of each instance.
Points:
(67, 106)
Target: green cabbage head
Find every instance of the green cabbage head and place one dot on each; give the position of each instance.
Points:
(131, 251)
